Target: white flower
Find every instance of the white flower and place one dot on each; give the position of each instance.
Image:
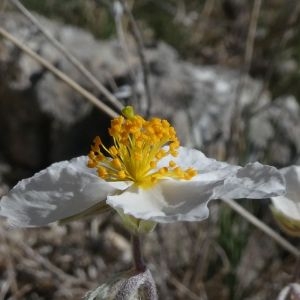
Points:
(145, 174)
(286, 209)
(290, 292)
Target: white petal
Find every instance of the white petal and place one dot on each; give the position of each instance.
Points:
(188, 157)
(161, 203)
(254, 181)
(291, 291)
(292, 178)
(179, 200)
(62, 190)
(289, 204)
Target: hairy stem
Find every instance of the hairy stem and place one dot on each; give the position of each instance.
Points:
(138, 260)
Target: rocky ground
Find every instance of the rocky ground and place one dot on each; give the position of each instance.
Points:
(42, 120)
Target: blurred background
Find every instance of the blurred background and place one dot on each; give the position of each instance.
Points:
(224, 72)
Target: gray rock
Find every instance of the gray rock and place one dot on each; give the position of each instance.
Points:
(49, 121)
(275, 130)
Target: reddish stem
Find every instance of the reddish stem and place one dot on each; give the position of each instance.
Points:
(139, 263)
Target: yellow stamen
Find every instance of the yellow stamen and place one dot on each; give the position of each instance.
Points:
(138, 147)
(116, 163)
(172, 164)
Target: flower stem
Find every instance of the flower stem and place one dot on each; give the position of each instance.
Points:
(139, 264)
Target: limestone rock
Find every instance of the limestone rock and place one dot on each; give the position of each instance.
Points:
(43, 120)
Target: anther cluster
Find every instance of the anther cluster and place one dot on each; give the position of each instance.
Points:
(138, 146)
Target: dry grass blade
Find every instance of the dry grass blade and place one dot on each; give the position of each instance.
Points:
(12, 278)
(6, 237)
(236, 116)
(3, 5)
(263, 227)
(62, 76)
(19, 255)
(121, 36)
(251, 33)
(140, 47)
(186, 291)
(47, 264)
(72, 59)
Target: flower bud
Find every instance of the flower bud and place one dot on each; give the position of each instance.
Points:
(290, 292)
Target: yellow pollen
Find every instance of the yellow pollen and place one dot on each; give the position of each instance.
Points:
(91, 164)
(153, 164)
(122, 174)
(97, 141)
(113, 151)
(102, 172)
(116, 163)
(163, 171)
(172, 164)
(138, 146)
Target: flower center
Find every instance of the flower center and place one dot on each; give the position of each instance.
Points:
(138, 146)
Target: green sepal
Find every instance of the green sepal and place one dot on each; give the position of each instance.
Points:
(128, 112)
(136, 226)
